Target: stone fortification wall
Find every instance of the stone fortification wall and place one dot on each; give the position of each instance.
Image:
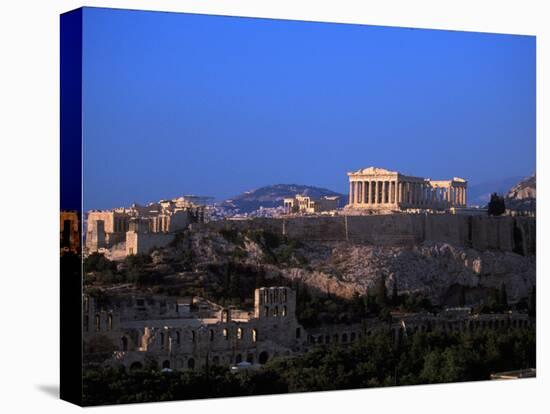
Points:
(517, 234)
(137, 243)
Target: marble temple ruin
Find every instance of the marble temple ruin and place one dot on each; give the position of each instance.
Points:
(380, 189)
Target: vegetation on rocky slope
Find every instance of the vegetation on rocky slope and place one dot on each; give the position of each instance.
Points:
(374, 361)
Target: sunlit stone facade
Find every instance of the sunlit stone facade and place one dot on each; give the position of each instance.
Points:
(380, 189)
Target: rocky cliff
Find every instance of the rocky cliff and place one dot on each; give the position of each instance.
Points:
(438, 270)
(522, 196)
(435, 270)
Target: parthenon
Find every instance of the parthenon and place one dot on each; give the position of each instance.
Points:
(379, 189)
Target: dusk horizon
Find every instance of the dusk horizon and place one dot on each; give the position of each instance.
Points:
(199, 107)
(213, 199)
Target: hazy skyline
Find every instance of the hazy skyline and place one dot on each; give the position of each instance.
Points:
(178, 104)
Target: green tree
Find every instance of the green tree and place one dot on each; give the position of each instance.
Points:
(394, 294)
(462, 296)
(381, 292)
(503, 296)
(496, 206)
(260, 277)
(235, 286)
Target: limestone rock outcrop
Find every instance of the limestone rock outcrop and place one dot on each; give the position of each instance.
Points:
(433, 269)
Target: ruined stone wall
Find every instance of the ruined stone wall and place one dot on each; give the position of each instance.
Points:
(109, 233)
(151, 328)
(137, 243)
(69, 230)
(108, 218)
(179, 220)
(517, 234)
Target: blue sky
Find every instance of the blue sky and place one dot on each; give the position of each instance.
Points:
(179, 104)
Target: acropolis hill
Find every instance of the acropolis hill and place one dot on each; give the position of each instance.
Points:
(410, 234)
(385, 208)
(409, 223)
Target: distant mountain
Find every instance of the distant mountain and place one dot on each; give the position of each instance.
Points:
(523, 195)
(480, 194)
(272, 196)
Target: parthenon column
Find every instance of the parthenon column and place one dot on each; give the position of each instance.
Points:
(398, 190)
(428, 195)
(350, 192)
(369, 192)
(372, 188)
